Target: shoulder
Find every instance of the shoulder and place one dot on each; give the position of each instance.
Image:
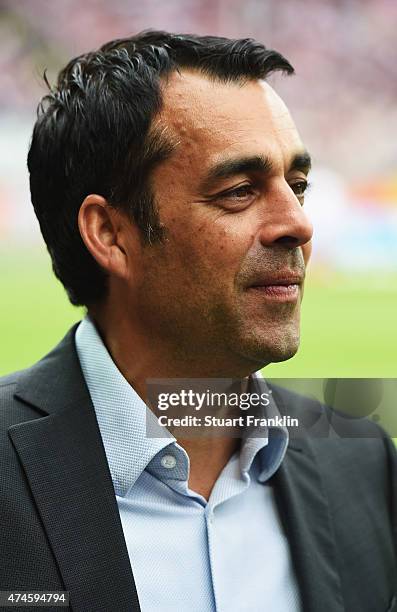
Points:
(340, 443)
(318, 419)
(13, 411)
(355, 458)
(22, 392)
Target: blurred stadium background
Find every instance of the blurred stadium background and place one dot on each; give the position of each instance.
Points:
(343, 99)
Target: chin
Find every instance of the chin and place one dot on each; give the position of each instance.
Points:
(276, 355)
(273, 347)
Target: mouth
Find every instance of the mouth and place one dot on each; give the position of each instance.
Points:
(278, 288)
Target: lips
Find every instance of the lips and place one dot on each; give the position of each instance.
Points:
(283, 280)
(282, 287)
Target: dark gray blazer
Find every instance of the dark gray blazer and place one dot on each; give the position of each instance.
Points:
(59, 523)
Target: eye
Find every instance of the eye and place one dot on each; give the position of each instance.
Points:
(241, 192)
(238, 195)
(299, 188)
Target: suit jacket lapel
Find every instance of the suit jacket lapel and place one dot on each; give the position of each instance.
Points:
(303, 506)
(303, 509)
(66, 467)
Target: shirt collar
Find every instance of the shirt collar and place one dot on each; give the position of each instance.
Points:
(121, 415)
(120, 412)
(271, 449)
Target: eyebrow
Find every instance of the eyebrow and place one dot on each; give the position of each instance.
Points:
(230, 167)
(301, 161)
(246, 165)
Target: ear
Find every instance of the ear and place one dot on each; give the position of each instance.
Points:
(104, 231)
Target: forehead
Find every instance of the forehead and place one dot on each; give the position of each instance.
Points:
(211, 120)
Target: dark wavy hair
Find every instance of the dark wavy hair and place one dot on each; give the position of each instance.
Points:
(94, 134)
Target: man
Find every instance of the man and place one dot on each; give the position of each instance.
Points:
(168, 179)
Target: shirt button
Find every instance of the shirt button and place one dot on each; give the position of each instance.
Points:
(168, 461)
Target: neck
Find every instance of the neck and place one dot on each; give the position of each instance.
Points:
(207, 455)
(161, 360)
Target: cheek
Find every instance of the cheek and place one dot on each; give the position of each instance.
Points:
(220, 249)
(203, 239)
(208, 247)
(307, 251)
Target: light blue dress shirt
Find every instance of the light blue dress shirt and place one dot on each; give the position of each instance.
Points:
(227, 554)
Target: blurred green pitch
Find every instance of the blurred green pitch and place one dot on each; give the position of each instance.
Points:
(348, 324)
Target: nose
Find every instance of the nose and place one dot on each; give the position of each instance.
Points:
(284, 221)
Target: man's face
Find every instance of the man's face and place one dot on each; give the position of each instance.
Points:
(225, 285)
